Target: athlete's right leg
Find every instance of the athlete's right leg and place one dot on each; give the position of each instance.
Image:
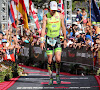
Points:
(50, 65)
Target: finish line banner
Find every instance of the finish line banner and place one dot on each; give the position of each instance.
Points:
(69, 55)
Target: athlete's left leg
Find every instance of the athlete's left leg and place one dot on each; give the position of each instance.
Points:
(58, 60)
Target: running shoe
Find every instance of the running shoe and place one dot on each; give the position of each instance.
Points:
(58, 79)
(51, 81)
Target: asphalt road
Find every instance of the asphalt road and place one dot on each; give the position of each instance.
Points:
(38, 80)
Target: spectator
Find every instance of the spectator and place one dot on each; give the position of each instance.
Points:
(89, 42)
(88, 21)
(79, 16)
(79, 25)
(88, 31)
(79, 38)
(75, 27)
(93, 32)
(84, 13)
(97, 29)
(69, 33)
(88, 36)
(1, 36)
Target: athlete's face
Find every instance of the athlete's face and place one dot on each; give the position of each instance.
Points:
(53, 12)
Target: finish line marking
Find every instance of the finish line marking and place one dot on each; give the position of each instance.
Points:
(35, 87)
(60, 78)
(19, 88)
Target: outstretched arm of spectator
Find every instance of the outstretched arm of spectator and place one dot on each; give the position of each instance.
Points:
(11, 47)
(82, 19)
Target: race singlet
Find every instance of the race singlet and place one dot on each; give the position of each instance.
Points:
(53, 25)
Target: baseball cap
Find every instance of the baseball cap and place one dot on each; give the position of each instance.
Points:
(4, 40)
(53, 5)
(80, 32)
(78, 9)
(1, 32)
(77, 33)
(87, 38)
(75, 23)
(94, 25)
(26, 41)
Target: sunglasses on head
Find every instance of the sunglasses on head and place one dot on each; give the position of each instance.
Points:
(53, 10)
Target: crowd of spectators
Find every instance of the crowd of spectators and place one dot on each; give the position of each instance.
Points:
(84, 33)
(12, 39)
(81, 33)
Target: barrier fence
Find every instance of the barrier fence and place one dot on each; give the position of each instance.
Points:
(33, 54)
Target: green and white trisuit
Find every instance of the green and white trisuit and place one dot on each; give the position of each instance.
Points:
(53, 40)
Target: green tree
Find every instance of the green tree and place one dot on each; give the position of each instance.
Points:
(98, 4)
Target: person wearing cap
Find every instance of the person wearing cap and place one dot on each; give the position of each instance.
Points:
(79, 37)
(79, 16)
(89, 42)
(53, 22)
(75, 28)
(78, 23)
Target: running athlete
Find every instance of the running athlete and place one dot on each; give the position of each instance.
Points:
(53, 22)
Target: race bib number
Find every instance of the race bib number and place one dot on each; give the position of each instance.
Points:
(51, 41)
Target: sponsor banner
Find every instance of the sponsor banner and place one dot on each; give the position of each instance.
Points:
(31, 54)
(69, 55)
(80, 56)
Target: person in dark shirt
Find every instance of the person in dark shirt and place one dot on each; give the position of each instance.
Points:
(79, 16)
(79, 37)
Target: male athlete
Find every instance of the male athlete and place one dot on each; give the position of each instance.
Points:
(53, 22)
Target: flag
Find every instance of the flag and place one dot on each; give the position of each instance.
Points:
(12, 13)
(61, 7)
(95, 12)
(27, 6)
(32, 9)
(22, 10)
(16, 1)
(9, 23)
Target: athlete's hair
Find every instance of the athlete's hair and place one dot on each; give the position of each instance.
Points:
(49, 5)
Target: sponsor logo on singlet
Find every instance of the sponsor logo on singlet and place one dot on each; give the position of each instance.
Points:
(54, 25)
(54, 22)
(53, 30)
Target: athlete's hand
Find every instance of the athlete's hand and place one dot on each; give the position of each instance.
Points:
(65, 44)
(42, 46)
